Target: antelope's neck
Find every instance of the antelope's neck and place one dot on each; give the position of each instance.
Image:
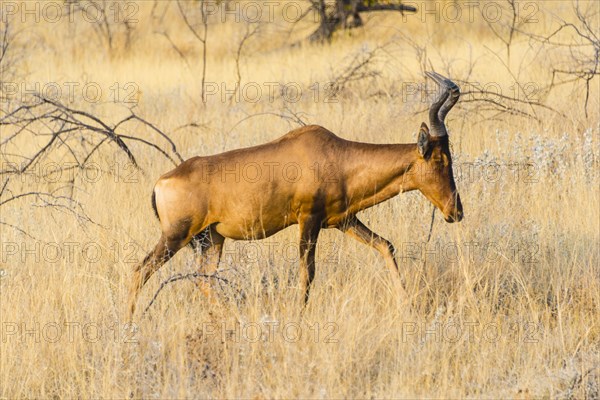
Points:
(376, 173)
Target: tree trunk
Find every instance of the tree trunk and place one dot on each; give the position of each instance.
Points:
(346, 14)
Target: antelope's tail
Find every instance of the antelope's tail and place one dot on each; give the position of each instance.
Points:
(154, 204)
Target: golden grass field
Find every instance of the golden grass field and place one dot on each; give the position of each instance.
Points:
(504, 304)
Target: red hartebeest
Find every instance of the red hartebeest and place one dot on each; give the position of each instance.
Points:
(309, 177)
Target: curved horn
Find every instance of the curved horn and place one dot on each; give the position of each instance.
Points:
(441, 107)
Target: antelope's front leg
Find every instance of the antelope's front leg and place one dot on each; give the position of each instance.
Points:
(309, 233)
(356, 229)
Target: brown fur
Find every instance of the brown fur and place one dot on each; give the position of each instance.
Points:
(309, 177)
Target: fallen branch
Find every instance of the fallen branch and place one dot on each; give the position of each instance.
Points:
(178, 277)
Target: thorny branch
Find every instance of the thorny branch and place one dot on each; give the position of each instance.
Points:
(583, 63)
(60, 122)
(73, 136)
(200, 36)
(250, 31)
(108, 24)
(360, 67)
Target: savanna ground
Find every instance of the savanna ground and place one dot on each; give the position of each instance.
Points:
(505, 303)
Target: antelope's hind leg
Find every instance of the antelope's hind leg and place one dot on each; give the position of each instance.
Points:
(166, 248)
(208, 246)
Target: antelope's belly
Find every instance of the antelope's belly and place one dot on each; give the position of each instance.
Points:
(251, 230)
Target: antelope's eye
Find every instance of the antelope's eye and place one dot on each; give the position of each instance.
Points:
(439, 160)
(445, 160)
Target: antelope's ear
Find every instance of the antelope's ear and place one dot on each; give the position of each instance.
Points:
(423, 141)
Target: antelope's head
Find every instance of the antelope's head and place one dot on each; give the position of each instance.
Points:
(433, 169)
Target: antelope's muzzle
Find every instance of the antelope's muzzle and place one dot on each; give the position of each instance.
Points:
(456, 213)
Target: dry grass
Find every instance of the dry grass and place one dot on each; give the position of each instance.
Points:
(503, 304)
